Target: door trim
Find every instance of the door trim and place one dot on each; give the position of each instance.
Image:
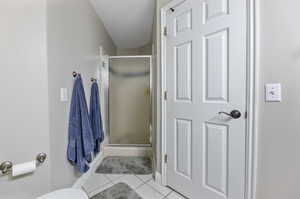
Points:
(252, 78)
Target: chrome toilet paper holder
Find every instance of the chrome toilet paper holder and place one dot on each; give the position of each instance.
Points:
(6, 167)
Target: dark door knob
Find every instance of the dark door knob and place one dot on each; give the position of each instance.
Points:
(235, 114)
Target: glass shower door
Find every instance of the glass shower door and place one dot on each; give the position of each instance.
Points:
(129, 101)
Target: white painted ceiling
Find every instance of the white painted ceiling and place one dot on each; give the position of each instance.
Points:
(129, 22)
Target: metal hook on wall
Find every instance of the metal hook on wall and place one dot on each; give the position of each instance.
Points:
(74, 73)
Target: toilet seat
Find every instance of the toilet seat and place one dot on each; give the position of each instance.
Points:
(66, 194)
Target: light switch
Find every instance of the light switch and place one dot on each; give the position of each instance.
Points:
(63, 94)
(273, 93)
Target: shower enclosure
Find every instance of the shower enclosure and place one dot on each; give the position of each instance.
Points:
(130, 100)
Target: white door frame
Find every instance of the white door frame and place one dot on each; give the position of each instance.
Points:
(251, 142)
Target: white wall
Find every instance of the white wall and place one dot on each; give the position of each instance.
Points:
(74, 36)
(24, 118)
(278, 128)
(42, 42)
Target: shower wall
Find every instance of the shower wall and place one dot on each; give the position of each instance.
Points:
(143, 50)
(129, 101)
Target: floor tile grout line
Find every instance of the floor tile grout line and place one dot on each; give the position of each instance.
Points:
(142, 179)
(142, 184)
(168, 194)
(159, 185)
(99, 187)
(112, 182)
(151, 188)
(95, 188)
(139, 186)
(114, 179)
(109, 182)
(99, 192)
(108, 178)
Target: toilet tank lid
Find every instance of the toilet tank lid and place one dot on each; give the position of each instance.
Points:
(65, 194)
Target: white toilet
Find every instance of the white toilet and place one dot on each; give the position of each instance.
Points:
(66, 194)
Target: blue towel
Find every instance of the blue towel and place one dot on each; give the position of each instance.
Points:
(81, 145)
(95, 117)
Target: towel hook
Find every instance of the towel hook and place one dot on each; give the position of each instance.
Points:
(93, 79)
(74, 73)
(41, 157)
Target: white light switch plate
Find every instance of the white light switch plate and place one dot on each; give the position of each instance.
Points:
(273, 92)
(63, 94)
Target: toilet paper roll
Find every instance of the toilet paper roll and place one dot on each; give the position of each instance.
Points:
(25, 168)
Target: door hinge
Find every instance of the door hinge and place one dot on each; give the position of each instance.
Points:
(165, 95)
(165, 31)
(246, 114)
(166, 158)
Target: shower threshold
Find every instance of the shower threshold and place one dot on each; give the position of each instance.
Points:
(128, 150)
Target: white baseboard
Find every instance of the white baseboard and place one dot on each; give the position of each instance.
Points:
(158, 178)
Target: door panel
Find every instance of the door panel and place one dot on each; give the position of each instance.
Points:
(215, 58)
(215, 8)
(216, 157)
(183, 147)
(206, 74)
(183, 22)
(183, 71)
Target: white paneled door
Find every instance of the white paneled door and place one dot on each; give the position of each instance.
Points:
(205, 75)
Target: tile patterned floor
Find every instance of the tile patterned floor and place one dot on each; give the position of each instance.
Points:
(144, 185)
